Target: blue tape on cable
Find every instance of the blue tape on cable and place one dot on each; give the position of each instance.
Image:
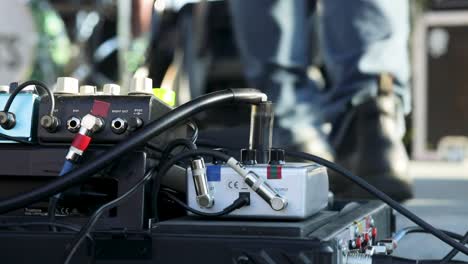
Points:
(67, 167)
(213, 173)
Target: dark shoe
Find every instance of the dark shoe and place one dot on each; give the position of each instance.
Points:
(371, 147)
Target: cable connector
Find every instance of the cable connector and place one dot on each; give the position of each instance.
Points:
(389, 244)
(49, 122)
(204, 197)
(91, 124)
(262, 188)
(241, 201)
(259, 185)
(7, 120)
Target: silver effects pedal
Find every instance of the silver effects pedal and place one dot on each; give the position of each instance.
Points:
(302, 189)
(277, 189)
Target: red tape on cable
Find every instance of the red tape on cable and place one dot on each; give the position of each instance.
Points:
(81, 142)
(100, 108)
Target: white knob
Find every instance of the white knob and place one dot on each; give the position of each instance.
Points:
(66, 85)
(4, 89)
(87, 90)
(28, 89)
(141, 85)
(111, 89)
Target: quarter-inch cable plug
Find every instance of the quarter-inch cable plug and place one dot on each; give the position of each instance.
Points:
(204, 197)
(259, 185)
(7, 120)
(90, 124)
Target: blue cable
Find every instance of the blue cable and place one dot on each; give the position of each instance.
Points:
(67, 167)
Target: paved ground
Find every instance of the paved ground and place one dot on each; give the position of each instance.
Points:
(441, 198)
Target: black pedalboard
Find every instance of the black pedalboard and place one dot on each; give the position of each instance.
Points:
(327, 237)
(26, 168)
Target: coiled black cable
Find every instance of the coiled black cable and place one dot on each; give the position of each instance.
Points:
(42, 86)
(398, 236)
(238, 203)
(176, 143)
(45, 90)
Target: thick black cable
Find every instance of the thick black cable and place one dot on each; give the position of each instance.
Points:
(139, 138)
(195, 131)
(86, 229)
(416, 229)
(193, 138)
(238, 203)
(388, 259)
(176, 143)
(51, 208)
(166, 155)
(42, 86)
(15, 139)
(382, 196)
(153, 147)
(453, 252)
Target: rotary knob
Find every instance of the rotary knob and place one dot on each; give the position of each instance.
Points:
(87, 90)
(66, 85)
(277, 156)
(249, 156)
(111, 89)
(141, 85)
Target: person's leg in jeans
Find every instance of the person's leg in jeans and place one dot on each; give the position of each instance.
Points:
(365, 50)
(272, 38)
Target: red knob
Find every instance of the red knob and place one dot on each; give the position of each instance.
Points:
(374, 233)
(358, 242)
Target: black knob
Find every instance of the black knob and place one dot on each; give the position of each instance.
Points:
(277, 156)
(7, 120)
(50, 123)
(218, 161)
(134, 123)
(249, 156)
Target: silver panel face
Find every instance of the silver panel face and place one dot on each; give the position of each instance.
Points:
(305, 187)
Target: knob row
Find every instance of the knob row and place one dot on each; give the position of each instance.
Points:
(69, 85)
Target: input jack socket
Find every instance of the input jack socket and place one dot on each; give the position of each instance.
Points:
(119, 125)
(73, 124)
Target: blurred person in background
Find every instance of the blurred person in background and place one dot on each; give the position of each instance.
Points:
(364, 48)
